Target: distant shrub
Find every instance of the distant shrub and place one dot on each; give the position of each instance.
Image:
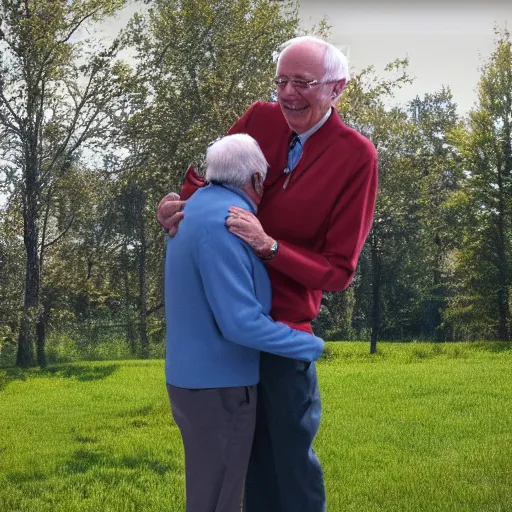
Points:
(8, 354)
(61, 348)
(108, 350)
(65, 348)
(322, 323)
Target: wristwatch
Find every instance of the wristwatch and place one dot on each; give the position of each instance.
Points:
(273, 251)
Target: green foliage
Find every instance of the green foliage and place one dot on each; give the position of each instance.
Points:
(384, 300)
(322, 323)
(484, 257)
(435, 117)
(201, 64)
(62, 349)
(57, 96)
(341, 307)
(11, 276)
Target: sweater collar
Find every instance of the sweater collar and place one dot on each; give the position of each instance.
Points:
(253, 206)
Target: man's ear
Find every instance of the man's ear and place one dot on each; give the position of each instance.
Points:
(338, 88)
(257, 183)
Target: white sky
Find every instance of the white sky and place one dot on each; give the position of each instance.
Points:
(444, 40)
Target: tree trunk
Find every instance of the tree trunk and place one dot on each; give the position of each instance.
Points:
(438, 301)
(143, 319)
(27, 335)
(41, 338)
(503, 294)
(130, 332)
(375, 295)
(43, 315)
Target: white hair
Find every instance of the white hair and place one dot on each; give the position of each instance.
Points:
(234, 159)
(335, 62)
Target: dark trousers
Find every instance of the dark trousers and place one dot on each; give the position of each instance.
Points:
(217, 428)
(284, 472)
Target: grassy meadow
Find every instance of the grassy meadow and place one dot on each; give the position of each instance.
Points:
(417, 427)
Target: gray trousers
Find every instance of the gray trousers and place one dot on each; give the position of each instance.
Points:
(217, 428)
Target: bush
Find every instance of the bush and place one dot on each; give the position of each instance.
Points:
(7, 355)
(61, 348)
(70, 346)
(322, 323)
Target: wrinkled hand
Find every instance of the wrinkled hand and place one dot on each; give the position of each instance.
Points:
(169, 212)
(246, 226)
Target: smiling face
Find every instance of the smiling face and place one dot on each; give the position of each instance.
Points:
(303, 108)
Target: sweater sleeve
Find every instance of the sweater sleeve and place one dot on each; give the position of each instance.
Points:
(227, 273)
(333, 269)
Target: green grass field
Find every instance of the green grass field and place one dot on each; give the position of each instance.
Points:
(416, 427)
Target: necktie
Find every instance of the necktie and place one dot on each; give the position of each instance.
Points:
(294, 153)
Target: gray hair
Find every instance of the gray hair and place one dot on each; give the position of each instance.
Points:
(234, 159)
(335, 63)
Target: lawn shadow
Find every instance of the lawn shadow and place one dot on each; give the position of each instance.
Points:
(494, 346)
(139, 411)
(18, 477)
(84, 461)
(8, 375)
(81, 372)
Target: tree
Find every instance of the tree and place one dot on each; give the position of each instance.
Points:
(485, 147)
(77, 284)
(141, 236)
(435, 117)
(57, 95)
(387, 252)
(11, 273)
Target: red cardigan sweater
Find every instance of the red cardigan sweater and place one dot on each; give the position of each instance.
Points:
(323, 216)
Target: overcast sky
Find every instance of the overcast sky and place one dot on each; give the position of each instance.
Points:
(444, 40)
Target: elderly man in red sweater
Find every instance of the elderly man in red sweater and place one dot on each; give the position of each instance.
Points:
(315, 215)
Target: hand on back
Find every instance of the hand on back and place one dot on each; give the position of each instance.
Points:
(169, 212)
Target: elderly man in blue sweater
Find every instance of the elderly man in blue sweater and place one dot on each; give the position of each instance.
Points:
(217, 304)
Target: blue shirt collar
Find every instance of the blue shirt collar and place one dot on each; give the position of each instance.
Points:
(305, 136)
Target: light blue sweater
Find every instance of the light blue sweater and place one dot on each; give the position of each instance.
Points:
(217, 301)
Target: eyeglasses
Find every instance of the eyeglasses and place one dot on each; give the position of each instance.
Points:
(297, 83)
